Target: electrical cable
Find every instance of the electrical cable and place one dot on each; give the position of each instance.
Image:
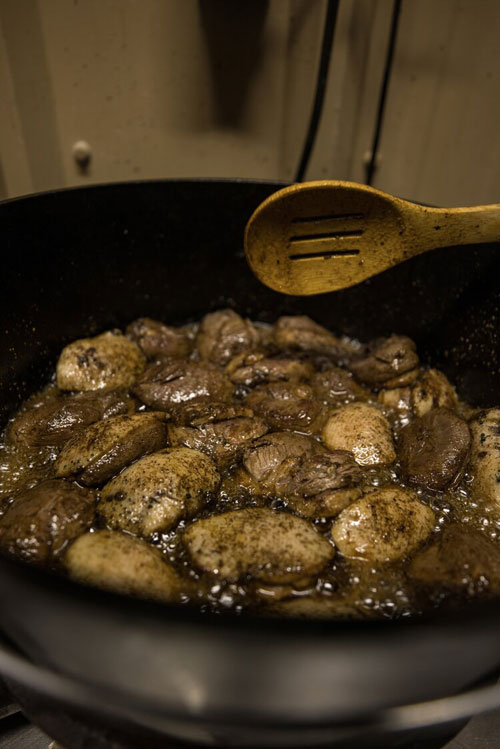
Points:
(372, 164)
(321, 80)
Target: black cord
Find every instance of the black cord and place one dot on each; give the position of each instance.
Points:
(319, 96)
(372, 165)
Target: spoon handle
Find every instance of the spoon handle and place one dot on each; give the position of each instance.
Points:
(441, 227)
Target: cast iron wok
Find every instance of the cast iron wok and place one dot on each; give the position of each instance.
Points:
(79, 261)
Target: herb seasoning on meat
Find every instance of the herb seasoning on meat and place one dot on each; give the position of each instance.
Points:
(277, 469)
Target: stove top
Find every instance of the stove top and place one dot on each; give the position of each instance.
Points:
(17, 732)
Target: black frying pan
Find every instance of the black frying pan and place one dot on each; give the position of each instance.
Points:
(76, 262)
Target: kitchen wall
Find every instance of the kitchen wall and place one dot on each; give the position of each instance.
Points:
(186, 88)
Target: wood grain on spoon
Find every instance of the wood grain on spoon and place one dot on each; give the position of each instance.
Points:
(316, 237)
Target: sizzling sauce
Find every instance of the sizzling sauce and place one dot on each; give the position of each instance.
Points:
(236, 466)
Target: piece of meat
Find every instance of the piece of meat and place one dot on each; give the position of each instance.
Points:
(286, 405)
(300, 333)
(255, 368)
(198, 414)
(41, 521)
(260, 543)
(223, 441)
(312, 474)
(157, 491)
(265, 456)
(384, 360)
(327, 504)
(485, 457)
(109, 361)
(55, 422)
(431, 390)
(123, 564)
(170, 385)
(385, 525)
(336, 386)
(433, 449)
(363, 430)
(224, 334)
(104, 448)
(459, 558)
(159, 341)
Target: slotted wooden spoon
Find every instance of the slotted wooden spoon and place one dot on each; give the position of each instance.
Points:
(315, 237)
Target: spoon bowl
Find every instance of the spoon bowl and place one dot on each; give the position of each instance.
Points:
(316, 237)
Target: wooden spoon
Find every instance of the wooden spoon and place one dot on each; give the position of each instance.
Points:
(323, 236)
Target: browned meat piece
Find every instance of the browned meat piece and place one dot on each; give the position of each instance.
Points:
(104, 448)
(297, 468)
(157, 491)
(121, 563)
(42, 520)
(288, 406)
(225, 334)
(56, 421)
(459, 558)
(260, 543)
(383, 526)
(170, 385)
(432, 389)
(300, 333)
(308, 475)
(159, 341)
(433, 449)
(485, 457)
(107, 362)
(197, 414)
(263, 459)
(254, 368)
(223, 441)
(362, 430)
(384, 360)
(337, 386)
